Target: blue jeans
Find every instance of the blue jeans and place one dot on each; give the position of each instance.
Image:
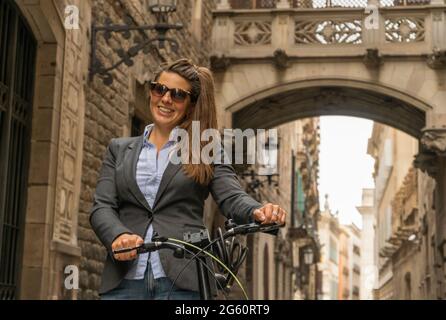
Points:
(149, 289)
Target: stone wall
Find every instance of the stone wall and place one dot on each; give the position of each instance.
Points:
(109, 109)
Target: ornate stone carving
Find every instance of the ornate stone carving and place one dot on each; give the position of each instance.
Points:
(437, 59)
(250, 33)
(333, 31)
(426, 162)
(280, 59)
(407, 29)
(372, 59)
(435, 140)
(70, 142)
(220, 63)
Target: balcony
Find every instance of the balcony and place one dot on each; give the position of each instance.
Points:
(325, 28)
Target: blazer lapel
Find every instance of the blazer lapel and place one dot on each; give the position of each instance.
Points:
(130, 161)
(168, 174)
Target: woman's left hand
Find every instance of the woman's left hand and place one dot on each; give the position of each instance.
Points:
(270, 213)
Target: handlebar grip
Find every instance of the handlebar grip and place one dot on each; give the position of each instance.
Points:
(124, 250)
(145, 247)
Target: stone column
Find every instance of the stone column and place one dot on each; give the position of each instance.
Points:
(65, 250)
(438, 26)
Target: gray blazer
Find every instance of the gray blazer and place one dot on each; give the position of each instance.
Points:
(120, 207)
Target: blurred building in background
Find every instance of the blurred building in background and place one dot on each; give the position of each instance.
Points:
(340, 262)
(284, 267)
(405, 251)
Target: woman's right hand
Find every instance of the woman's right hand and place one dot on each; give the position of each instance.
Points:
(126, 241)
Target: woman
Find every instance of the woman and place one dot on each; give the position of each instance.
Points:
(140, 191)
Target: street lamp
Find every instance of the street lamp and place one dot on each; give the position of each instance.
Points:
(308, 256)
(141, 42)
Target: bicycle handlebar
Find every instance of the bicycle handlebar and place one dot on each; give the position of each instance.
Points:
(180, 250)
(251, 228)
(150, 246)
(233, 231)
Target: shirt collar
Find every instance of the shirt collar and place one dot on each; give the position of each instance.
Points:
(148, 129)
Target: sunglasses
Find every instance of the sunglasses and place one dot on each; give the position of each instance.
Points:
(177, 95)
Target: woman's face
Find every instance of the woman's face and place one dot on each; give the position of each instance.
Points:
(167, 113)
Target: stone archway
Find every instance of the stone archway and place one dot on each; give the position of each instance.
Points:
(285, 101)
(335, 96)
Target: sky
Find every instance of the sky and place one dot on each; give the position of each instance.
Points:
(345, 168)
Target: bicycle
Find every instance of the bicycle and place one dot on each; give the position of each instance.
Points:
(229, 255)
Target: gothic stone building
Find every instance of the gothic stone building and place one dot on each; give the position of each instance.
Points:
(56, 124)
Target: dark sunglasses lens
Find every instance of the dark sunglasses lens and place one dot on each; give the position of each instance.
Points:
(158, 89)
(178, 95)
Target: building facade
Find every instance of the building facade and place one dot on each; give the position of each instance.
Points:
(329, 232)
(65, 127)
(405, 223)
(368, 264)
(355, 252)
(340, 262)
(275, 266)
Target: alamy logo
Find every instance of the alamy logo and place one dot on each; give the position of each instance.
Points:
(71, 17)
(72, 279)
(209, 147)
(372, 20)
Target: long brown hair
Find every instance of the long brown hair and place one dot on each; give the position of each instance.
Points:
(202, 108)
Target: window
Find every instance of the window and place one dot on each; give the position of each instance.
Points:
(355, 292)
(356, 269)
(141, 115)
(137, 127)
(300, 194)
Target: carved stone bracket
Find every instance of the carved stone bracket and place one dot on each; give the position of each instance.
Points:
(372, 59)
(220, 63)
(433, 146)
(435, 140)
(281, 59)
(437, 59)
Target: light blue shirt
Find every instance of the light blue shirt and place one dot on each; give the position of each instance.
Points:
(149, 171)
